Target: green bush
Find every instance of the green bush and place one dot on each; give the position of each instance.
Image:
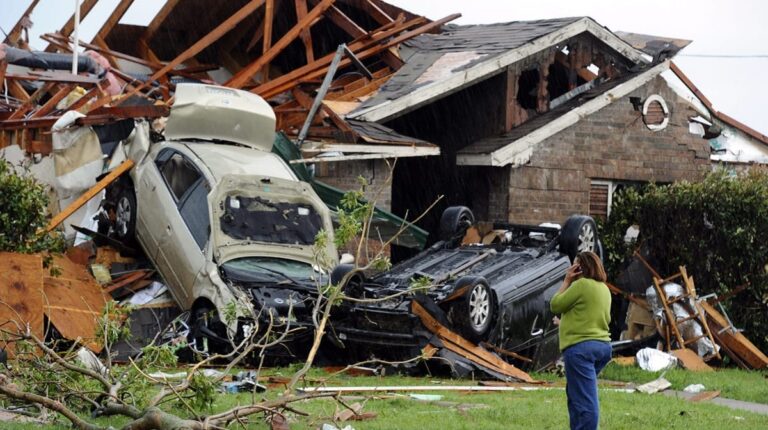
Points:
(717, 228)
(23, 204)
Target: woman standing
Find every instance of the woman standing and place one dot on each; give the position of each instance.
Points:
(585, 304)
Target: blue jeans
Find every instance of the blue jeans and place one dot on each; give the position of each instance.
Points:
(583, 362)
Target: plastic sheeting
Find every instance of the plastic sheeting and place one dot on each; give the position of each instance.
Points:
(654, 360)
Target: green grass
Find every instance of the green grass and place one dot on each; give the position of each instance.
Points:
(544, 409)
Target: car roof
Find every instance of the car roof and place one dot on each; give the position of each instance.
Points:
(223, 159)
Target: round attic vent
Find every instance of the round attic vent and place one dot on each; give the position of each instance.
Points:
(655, 113)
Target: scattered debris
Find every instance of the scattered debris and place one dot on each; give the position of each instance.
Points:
(654, 386)
(691, 361)
(654, 360)
(694, 388)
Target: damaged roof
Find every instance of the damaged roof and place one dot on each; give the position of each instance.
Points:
(438, 65)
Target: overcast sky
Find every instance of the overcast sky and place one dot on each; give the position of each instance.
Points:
(727, 59)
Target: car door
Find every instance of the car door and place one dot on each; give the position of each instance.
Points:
(174, 214)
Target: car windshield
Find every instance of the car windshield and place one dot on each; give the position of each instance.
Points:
(269, 269)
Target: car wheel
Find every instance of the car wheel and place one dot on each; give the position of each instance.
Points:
(579, 234)
(353, 286)
(455, 221)
(207, 334)
(475, 312)
(125, 213)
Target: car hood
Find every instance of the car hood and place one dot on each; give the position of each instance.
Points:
(262, 216)
(215, 113)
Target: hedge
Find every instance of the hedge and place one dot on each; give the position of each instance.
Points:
(717, 228)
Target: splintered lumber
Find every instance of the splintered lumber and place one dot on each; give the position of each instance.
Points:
(467, 349)
(93, 191)
(247, 72)
(13, 35)
(691, 361)
(21, 302)
(362, 51)
(734, 342)
(203, 43)
(113, 19)
(74, 302)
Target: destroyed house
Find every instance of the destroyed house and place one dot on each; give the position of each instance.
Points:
(539, 120)
(527, 121)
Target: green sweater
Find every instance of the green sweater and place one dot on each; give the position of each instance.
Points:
(586, 311)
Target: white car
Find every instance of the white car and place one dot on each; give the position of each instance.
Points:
(225, 221)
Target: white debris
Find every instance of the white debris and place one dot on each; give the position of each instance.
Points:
(654, 360)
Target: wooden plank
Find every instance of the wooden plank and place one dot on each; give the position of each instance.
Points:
(93, 191)
(203, 43)
(50, 105)
(269, 14)
(375, 11)
(306, 33)
(126, 280)
(21, 302)
(33, 100)
(624, 361)
(320, 66)
(704, 396)
(343, 21)
(158, 20)
(735, 342)
(691, 361)
(15, 88)
(461, 346)
(113, 19)
(16, 30)
(74, 302)
(69, 26)
(247, 72)
(668, 312)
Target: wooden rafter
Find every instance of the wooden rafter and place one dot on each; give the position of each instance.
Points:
(198, 46)
(15, 32)
(306, 34)
(372, 8)
(33, 100)
(355, 31)
(269, 15)
(158, 20)
(50, 105)
(247, 72)
(113, 19)
(69, 26)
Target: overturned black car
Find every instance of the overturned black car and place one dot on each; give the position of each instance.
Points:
(495, 293)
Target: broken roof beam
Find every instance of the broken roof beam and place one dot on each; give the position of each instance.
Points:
(372, 8)
(269, 17)
(69, 26)
(306, 33)
(113, 19)
(362, 50)
(15, 33)
(158, 20)
(242, 77)
(349, 26)
(198, 46)
(292, 78)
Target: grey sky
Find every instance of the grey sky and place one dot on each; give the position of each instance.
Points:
(734, 28)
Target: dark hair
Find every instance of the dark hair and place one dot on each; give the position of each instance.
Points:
(591, 266)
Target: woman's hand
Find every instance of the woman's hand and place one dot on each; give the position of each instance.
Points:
(572, 273)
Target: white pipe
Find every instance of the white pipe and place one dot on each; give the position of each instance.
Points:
(75, 35)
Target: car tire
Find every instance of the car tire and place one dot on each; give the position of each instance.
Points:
(353, 286)
(207, 332)
(455, 221)
(474, 313)
(579, 234)
(125, 213)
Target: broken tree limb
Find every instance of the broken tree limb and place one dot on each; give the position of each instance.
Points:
(77, 204)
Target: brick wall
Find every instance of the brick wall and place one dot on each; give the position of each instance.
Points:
(611, 144)
(344, 175)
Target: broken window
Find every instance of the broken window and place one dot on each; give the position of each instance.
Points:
(601, 194)
(558, 80)
(190, 190)
(179, 173)
(527, 89)
(259, 219)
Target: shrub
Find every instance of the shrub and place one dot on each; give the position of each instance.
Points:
(23, 203)
(717, 228)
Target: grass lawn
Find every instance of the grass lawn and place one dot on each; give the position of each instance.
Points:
(543, 409)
